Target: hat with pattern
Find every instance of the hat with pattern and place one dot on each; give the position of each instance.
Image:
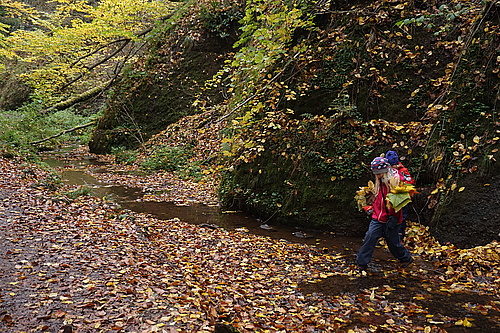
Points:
(380, 165)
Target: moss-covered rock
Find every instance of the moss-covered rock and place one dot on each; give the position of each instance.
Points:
(468, 215)
(13, 92)
(403, 80)
(280, 191)
(147, 102)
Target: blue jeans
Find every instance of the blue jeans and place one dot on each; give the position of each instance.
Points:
(402, 226)
(375, 231)
(402, 230)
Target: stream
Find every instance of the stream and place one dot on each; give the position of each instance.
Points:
(73, 172)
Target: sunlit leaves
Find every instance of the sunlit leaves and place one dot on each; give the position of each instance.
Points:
(75, 36)
(17, 9)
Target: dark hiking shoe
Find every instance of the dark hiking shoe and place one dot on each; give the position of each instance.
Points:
(406, 263)
(362, 267)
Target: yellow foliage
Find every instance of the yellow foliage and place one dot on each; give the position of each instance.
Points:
(63, 47)
(394, 182)
(365, 195)
(404, 188)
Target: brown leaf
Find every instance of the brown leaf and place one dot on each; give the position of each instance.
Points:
(59, 314)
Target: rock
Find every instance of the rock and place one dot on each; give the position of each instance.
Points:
(67, 329)
(301, 234)
(211, 226)
(267, 227)
(224, 328)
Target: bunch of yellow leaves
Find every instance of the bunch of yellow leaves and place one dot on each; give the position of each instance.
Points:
(400, 196)
(365, 195)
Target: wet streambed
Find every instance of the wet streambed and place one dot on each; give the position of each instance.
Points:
(73, 172)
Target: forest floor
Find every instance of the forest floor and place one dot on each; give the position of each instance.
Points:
(85, 265)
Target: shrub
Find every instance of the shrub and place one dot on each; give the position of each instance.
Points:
(167, 158)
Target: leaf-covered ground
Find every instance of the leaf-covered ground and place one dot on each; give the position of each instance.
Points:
(87, 264)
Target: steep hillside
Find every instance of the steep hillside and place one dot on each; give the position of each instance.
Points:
(312, 91)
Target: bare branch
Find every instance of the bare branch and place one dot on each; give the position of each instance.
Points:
(100, 62)
(63, 132)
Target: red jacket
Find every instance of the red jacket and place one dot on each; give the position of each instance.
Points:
(404, 174)
(380, 211)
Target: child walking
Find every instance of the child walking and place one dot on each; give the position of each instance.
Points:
(385, 221)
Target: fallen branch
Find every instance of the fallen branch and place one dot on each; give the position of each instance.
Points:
(63, 132)
(79, 98)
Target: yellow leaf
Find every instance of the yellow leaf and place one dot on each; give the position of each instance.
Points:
(461, 189)
(476, 139)
(435, 191)
(453, 186)
(466, 323)
(333, 178)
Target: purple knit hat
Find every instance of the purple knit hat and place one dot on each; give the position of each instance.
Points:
(380, 165)
(392, 157)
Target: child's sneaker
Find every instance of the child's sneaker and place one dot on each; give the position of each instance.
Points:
(406, 263)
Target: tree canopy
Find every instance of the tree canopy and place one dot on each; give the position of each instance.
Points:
(68, 49)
